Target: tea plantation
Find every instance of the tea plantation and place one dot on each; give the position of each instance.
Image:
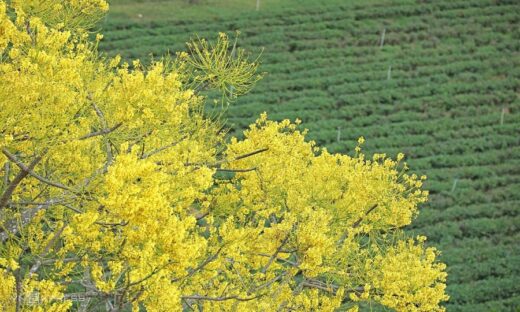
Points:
(437, 80)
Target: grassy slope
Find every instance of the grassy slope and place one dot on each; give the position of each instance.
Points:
(455, 67)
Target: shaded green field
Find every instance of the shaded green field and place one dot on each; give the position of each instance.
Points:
(443, 88)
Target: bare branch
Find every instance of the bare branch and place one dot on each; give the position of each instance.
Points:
(206, 298)
(53, 240)
(29, 171)
(294, 264)
(201, 216)
(72, 208)
(19, 177)
(7, 169)
(19, 290)
(101, 132)
(160, 149)
(329, 287)
(237, 170)
(100, 114)
(224, 161)
(108, 224)
(155, 271)
(313, 283)
(358, 222)
(108, 163)
(250, 154)
(236, 297)
(201, 266)
(274, 256)
(110, 157)
(66, 260)
(268, 283)
(13, 226)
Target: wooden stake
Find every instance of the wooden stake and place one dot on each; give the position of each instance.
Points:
(338, 137)
(258, 5)
(502, 116)
(383, 38)
(454, 184)
(389, 73)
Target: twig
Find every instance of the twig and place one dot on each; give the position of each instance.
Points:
(201, 216)
(72, 208)
(294, 264)
(268, 283)
(106, 224)
(251, 154)
(188, 304)
(236, 170)
(201, 266)
(312, 283)
(101, 132)
(328, 287)
(206, 298)
(38, 262)
(160, 149)
(110, 157)
(154, 271)
(223, 161)
(100, 114)
(274, 256)
(356, 224)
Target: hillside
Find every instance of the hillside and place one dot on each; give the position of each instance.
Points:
(442, 87)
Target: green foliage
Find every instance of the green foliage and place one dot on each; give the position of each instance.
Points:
(221, 66)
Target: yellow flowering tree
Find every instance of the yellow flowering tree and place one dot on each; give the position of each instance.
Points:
(118, 192)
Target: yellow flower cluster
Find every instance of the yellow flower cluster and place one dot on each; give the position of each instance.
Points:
(64, 14)
(407, 278)
(114, 182)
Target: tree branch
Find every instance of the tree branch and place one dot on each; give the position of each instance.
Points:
(101, 132)
(12, 227)
(160, 149)
(206, 298)
(237, 170)
(99, 113)
(358, 222)
(7, 168)
(329, 287)
(19, 177)
(29, 171)
(250, 154)
(274, 256)
(53, 240)
(223, 161)
(294, 264)
(201, 266)
(268, 283)
(155, 271)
